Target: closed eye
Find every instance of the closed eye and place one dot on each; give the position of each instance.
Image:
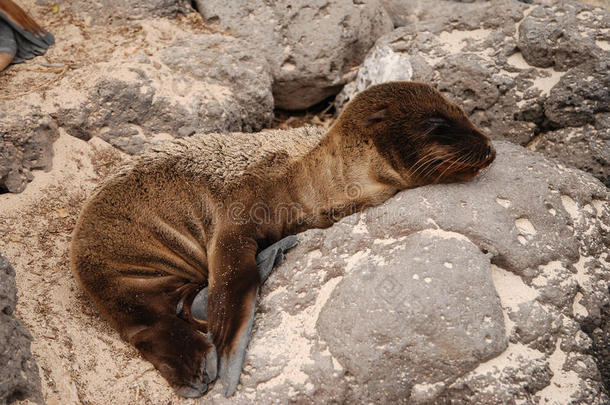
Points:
(442, 131)
(437, 122)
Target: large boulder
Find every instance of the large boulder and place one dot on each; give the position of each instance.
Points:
(26, 144)
(563, 35)
(206, 83)
(457, 293)
(518, 70)
(311, 46)
(19, 377)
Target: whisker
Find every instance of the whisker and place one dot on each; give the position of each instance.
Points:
(423, 158)
(445, 171)
(431, 168)
(432, 159)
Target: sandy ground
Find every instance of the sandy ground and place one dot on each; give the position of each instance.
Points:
(79, 45)
(81, 359)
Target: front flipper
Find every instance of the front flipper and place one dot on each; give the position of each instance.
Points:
(234, 281)
(232, 360)
(266, 260)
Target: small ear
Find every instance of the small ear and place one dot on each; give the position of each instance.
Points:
(375, 118)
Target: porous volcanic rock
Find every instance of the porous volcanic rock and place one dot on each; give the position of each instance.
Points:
(26, 144)
(19, 377)
(311, 46)
(207, 83)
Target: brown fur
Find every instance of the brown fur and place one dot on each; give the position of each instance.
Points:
(20, 17)
(196, 211)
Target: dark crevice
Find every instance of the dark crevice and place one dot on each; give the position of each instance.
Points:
(318, 115)
(195, 6)
(599, 332)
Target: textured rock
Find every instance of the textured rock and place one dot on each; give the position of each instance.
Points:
(381, 65)
(208, 83)
(563, 35)
(26, 144)
(599, 332)
(430, 332)
(19, 377)
(584, 147)
(478, 55)
(109, 11)
(580, 94)
(310, 46)
(405, 12)
(458, 293)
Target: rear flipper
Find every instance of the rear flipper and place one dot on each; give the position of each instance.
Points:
(266, 260)
(8, 45)
(184, 356)
(235, 277)
(20, 37)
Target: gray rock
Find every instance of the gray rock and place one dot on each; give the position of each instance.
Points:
(599, 332)
(210, 83)
(563, 35)
(580, 94)
(310, 46)
(19, 377)
(110, 11)
(429, 332)
(404, 12)
(584, 147)
(456, 293)
(475, 55)
(380, 66)
(26, 144)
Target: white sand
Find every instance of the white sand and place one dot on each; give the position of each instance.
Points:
(81, 359)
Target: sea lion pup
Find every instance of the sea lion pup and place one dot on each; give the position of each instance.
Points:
(195, 212)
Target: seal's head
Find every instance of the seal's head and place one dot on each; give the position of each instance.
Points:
(423, 136)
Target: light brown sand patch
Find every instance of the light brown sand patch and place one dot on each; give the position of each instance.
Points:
(81, 359)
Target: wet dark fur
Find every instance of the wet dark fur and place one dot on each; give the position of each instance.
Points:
(161, 229)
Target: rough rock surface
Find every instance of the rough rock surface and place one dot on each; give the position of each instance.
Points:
(583, 147)
(26, 141)
(518, 70)
(562, 37)
(102, 12)
(459, 293)
(404, 12)
(206, 83)
(146, 78)
(311, 46)
(19, 377)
